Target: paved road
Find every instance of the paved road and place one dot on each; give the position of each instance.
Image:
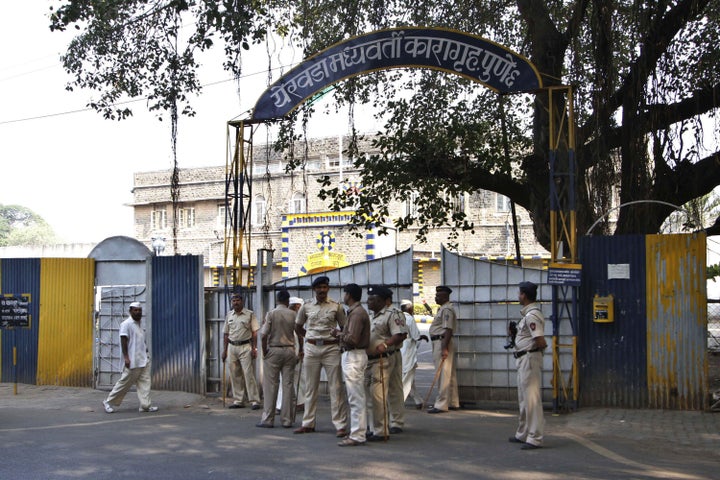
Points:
(63, 433)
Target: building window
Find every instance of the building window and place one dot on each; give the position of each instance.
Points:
(221, 216)
(158, 219)
(502, 203)
(258, 211)
(411, 207)
(297, 203)
(187, 217)
(458, 204)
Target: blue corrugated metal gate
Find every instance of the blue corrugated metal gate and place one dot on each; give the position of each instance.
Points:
(178, 328)
(21, 276)
(612, 356)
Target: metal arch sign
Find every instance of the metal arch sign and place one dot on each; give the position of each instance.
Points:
(470, 56)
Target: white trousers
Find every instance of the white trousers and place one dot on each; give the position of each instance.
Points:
(140, 377)
(354, 363)
(531, 421)
(408, 381)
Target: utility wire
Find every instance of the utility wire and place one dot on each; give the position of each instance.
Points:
(126, 102)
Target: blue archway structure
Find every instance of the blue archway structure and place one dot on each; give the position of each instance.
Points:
(469, 56)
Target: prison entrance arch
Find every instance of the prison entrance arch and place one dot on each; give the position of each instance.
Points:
(452, 51)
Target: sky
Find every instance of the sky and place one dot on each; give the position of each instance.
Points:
(74, 168)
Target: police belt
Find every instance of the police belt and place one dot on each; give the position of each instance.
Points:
(436, 337)
(520, 354)
(320, 342)
(381, 355)
(348, 349)
(239, 342)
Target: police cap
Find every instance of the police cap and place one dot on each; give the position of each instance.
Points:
(380, 291)
(323, 280)
(443, 289)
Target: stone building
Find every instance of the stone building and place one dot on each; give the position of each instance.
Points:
(286, 216)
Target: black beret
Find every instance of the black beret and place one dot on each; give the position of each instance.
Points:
(527, 287)
(321, 281)
(443, 288)
(380, 291)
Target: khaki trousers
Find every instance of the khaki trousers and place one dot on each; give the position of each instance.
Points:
(242, 374)
(279, 360)
(140, 377)
(317, 358)
(531, 421)
(377, 381)
(447, 395)
(396, 398)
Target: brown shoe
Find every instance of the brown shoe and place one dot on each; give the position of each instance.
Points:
(304, 430)
(341, 433)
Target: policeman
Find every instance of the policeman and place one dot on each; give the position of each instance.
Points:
(385, 334)
(441, 332)
(314, 324)
(529, 345)
(240, 344)
(396, 398)
(278, 344)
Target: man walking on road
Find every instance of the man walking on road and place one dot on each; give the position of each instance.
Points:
(136, 369)
(529, 345)
(441, 332)
(240, 344)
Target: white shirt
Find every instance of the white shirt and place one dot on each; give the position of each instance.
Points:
(410, 345)
(137, 349)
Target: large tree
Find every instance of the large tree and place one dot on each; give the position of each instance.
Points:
(20, 226)
(645, 76)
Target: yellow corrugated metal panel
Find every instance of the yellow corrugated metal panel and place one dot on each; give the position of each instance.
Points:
(676, 321)
(65, 339)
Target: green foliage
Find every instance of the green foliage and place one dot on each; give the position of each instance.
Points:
(21, 226)
(644, 74)
(713, 271)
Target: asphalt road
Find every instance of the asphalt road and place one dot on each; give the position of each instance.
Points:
(63, 433)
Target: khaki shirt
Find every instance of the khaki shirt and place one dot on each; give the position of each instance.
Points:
(532, 325)
(384, 324)
(357, 332)
(279, 327)
(240, 326)
(446, 317)
(319, 319)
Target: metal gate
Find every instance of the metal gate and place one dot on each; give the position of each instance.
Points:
(485, 296)
(111, 309)
(395, 272)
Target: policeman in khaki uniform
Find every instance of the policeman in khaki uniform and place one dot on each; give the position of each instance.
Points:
(278, 343)
(386, 333)
(314, 324)
(529, 345)
(396, 397)
(240, 344)
(441, 332)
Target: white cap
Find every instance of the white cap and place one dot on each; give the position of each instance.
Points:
(296, 300)
(406, 302)
(135, 305)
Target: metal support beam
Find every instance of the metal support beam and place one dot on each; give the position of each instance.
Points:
(563, 238)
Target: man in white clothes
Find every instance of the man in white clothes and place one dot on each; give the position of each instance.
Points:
(136, 369)
(409, 354)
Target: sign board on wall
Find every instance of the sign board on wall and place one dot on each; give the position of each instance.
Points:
(14, 311)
